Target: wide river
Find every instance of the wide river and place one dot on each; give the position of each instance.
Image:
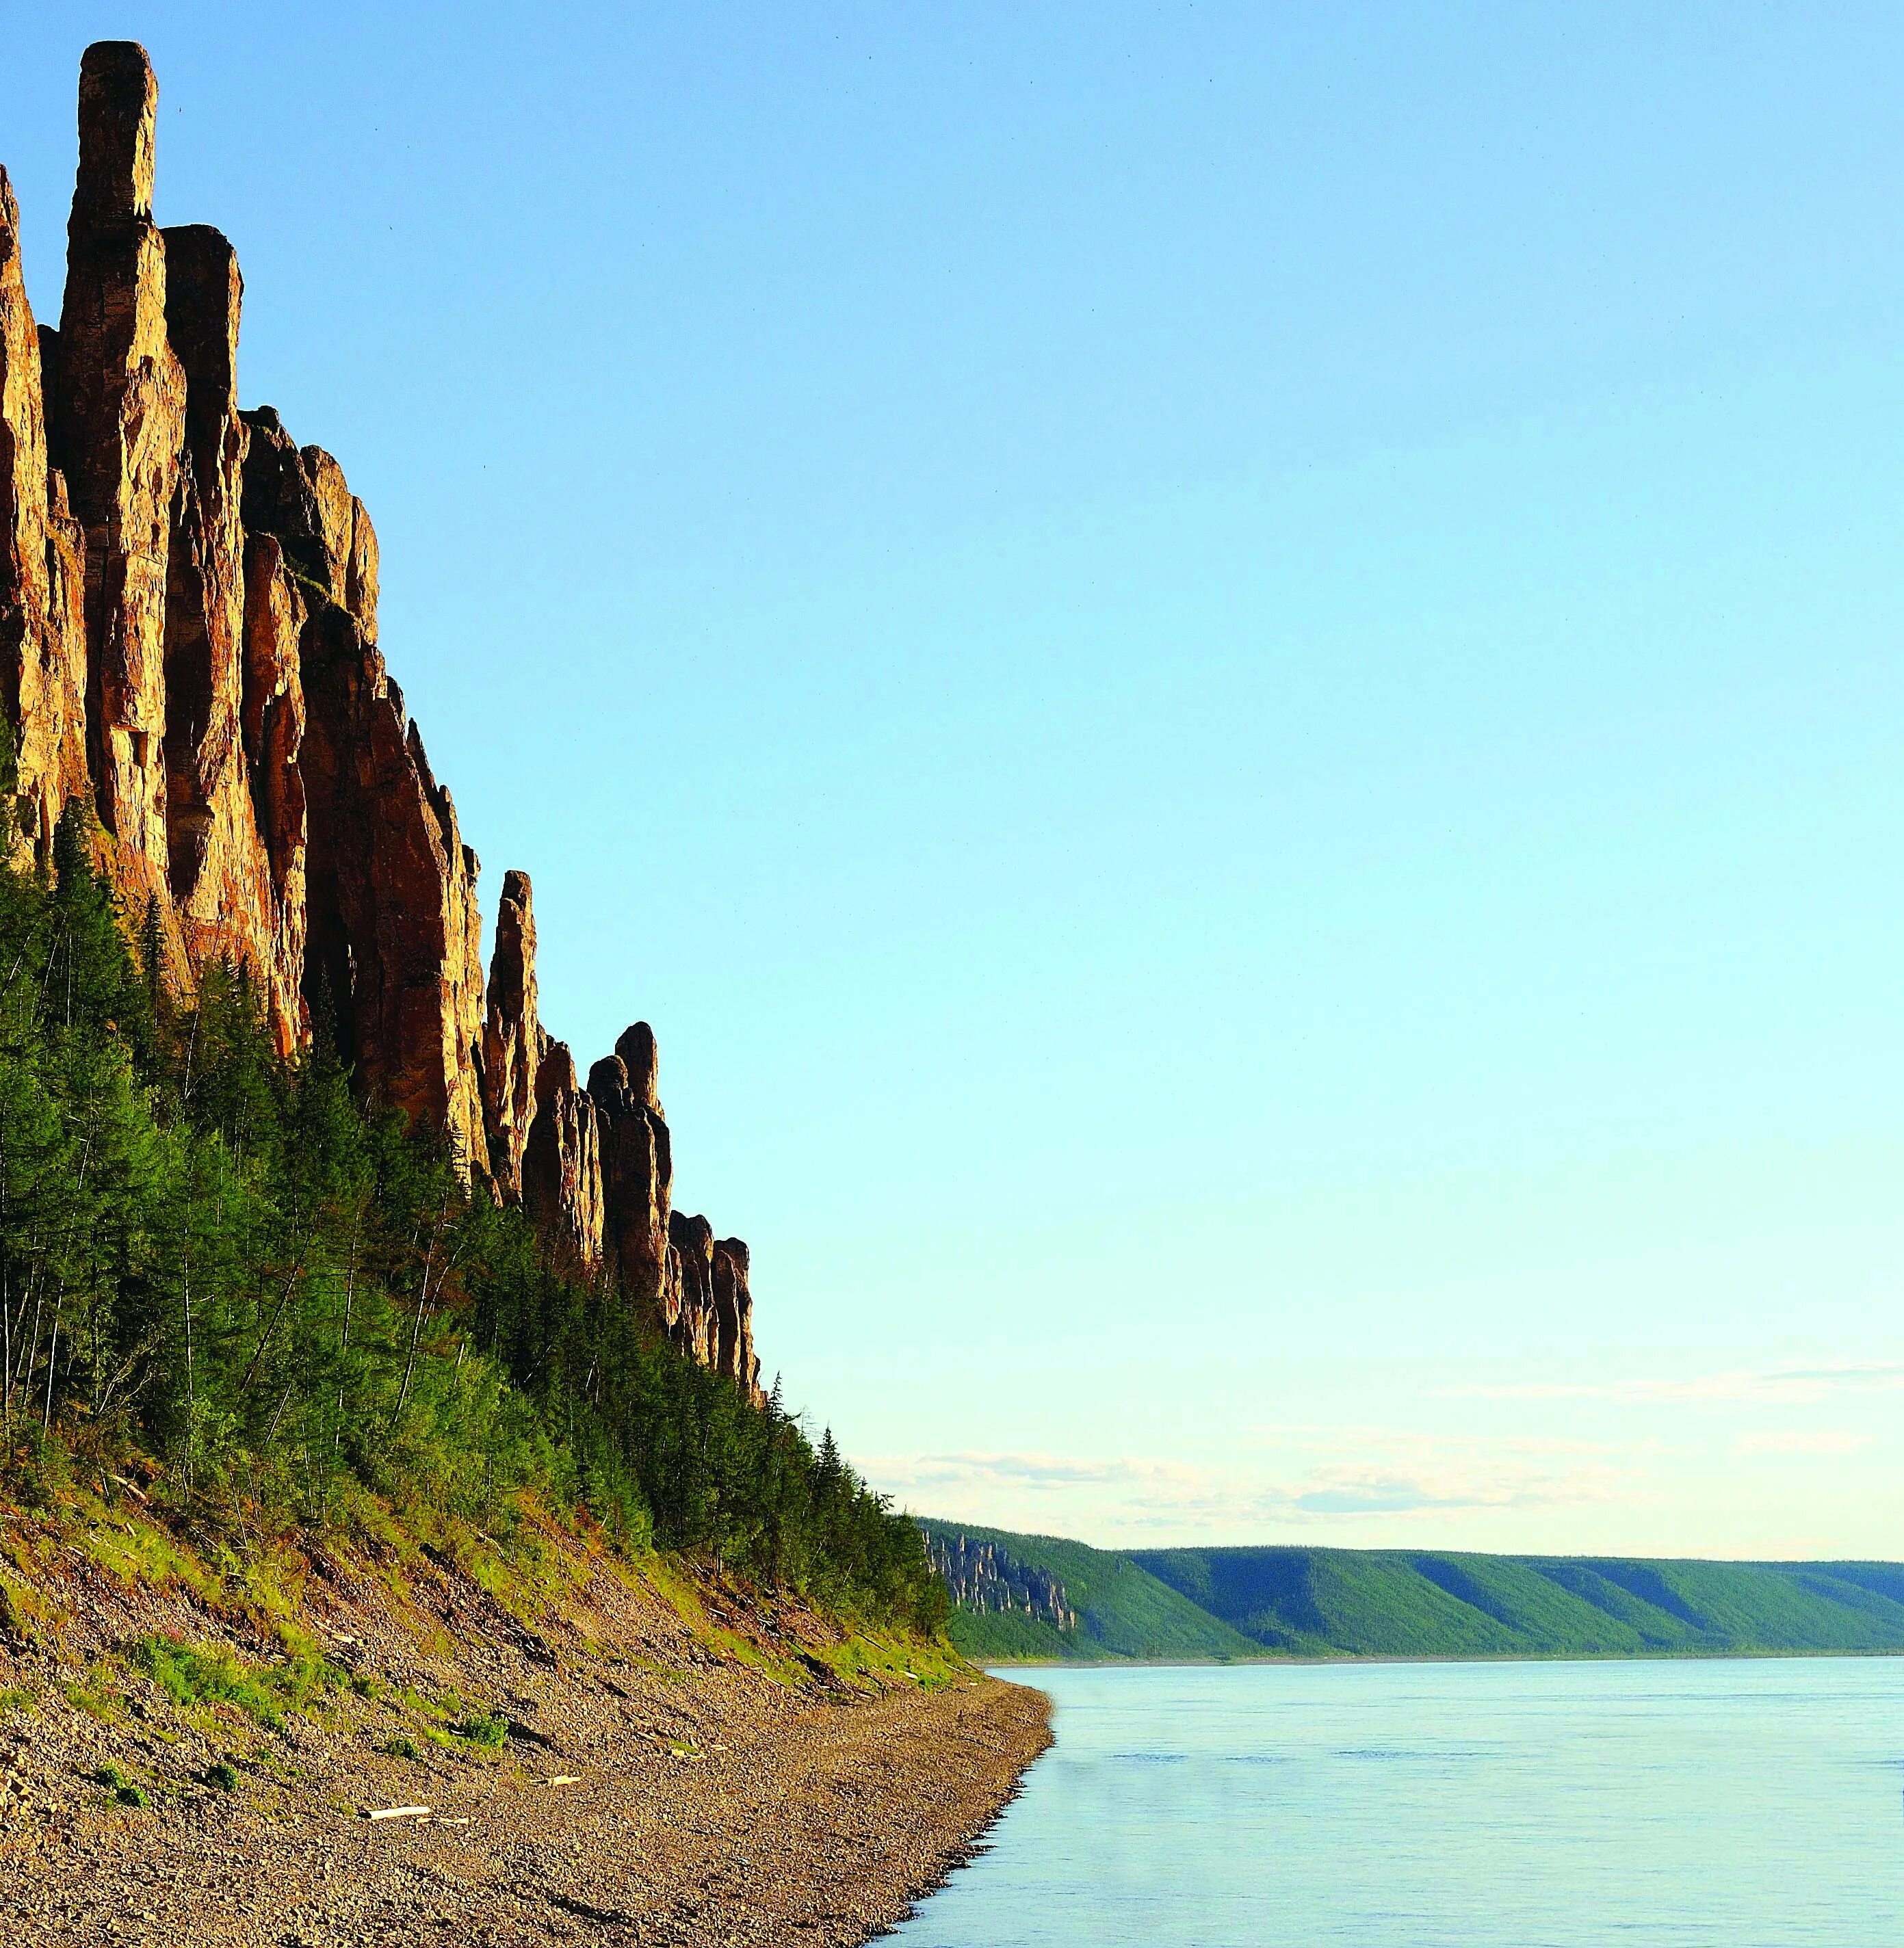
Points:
(1747, 1803)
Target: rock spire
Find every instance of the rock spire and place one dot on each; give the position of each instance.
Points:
(189, 652)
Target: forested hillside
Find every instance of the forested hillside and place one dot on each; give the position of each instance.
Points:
(1347, 1602)
(1121, 1612)
(291, 1308)
(1395, 1603)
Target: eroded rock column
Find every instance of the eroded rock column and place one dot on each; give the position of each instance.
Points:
(271, 726)
(561, 1166)
(42, 628)
(733, 1354)
(512, 1036)
(118, 435)
(231, 904)
(637, 1169)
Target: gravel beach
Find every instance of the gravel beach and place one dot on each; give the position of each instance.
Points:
(706, 1795)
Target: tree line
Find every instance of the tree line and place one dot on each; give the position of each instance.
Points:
(285, 1296)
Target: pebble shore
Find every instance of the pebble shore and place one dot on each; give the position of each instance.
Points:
(704, 1797)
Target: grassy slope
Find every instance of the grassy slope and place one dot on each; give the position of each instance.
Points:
(1393, 1603)
(1122, 1611)
(85, 1557)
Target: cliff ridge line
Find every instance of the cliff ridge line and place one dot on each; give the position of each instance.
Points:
(190, 662)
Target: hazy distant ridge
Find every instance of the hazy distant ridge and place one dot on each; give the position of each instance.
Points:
(1344, 1602)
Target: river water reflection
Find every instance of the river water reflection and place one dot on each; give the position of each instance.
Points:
(1734, 1803)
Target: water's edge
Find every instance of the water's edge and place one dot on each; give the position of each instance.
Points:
(1666, 1802)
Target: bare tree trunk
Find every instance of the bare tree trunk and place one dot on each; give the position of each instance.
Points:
(423, 1294)
(59, 1297)
(343, 1343)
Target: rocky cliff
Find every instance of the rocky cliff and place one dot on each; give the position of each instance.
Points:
(190, 663)
(985, 1579)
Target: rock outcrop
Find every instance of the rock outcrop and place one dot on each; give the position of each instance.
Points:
(982, 1576)
(561, 1166)
(637, 1169)
(42, 628)
(189, 656)
(512, 1036)
(733, 1349)
(119, 433)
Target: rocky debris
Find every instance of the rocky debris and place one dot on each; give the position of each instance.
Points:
(982, 1577)
(188, 645)
(715, 1800)
(512, 1036)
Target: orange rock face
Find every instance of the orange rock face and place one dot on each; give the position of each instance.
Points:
(561, 1166)
(712, 1312)
(42, 629)
(272, 732)
(393, 940)
(512, 1036)
(691, 1243)
(188, 647)
(637, 1171)
(118, 432)
(733, 1354)
(229, 902)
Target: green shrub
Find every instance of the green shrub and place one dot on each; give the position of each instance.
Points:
(483, 1728)
(190, 1676)
(400, 1747)
(223, 1775)
(110, 1777)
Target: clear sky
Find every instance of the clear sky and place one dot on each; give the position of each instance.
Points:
(1228, 676)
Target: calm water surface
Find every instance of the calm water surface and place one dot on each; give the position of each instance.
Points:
(1732, 1804)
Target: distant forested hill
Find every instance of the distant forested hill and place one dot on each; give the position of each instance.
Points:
(1396, 1603)
(1117, 1609)
(1346, 1602)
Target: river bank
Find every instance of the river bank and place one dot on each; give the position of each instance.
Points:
(649, 1756)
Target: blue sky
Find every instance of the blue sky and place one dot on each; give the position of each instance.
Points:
(1227, 676)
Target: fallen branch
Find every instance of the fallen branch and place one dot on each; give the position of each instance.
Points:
(396, 1812)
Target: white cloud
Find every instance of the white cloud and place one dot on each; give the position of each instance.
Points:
(1386, 1473)
(1028, 1471)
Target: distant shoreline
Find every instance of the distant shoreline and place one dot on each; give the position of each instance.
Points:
(989, 1663)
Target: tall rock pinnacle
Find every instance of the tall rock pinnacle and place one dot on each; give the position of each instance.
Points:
(512, 1036)
(120, 433)
(189, 652)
